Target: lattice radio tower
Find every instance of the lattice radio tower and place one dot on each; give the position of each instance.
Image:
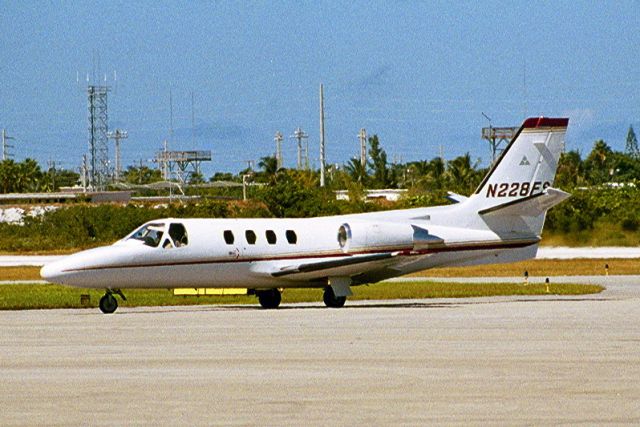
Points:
(98, 136)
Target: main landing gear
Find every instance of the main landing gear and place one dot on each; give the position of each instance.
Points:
(269, 298)
(331, 300)
(108, 303)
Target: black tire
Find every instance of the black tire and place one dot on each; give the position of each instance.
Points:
(270, 298)
(108, 304)
(331, 300)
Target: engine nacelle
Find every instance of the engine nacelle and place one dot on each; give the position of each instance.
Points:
(383, 236)
(366, 236)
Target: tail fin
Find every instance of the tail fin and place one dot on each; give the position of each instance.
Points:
(514, 196)
(527, 166)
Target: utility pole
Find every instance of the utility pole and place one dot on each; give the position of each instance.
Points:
(117, 135)
(193, 120)
(322, 153)
(362, 136)
(52, 171)
(84, 170)
(278, 140)
(164, 164)
(140, 172)
(245, 182)
(170, 115)
(299, 135)
(5, 147)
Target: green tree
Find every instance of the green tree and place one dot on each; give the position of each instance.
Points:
(599, 163)
(295, 194)
(463, 176)
(427, 174)
(141, 175)
(378, 164)
(570, 170)
(631, 148)
(66, 178)
(8, 176)
(222, 176)
(196, 178)
(357, 171)
(29, 175)
(268, 168)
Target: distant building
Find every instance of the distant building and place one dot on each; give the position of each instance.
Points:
(392, 195)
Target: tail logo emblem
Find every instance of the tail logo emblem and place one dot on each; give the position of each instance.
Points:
(524, 161)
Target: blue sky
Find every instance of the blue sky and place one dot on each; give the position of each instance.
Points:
(418, 74)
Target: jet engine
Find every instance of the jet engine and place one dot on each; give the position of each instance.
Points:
(383, 236)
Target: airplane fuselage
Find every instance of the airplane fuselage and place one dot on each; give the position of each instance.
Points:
(250, 253)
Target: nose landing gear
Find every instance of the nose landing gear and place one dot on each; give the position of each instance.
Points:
(108, 303)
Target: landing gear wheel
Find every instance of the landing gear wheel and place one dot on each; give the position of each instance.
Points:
(270, 298)
(331, 300)
(108, 304)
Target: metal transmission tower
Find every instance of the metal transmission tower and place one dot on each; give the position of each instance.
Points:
(98, 139)
(179, 162)
(5, 147)
(299, 135)
(498, 137)
(117, 135)
(278, 139)
(362, 136)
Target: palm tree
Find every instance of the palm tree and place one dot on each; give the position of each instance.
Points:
(269, 165)
(599, 162)
(356, 171)
(8, 176)
(462, 174)
(28, 176)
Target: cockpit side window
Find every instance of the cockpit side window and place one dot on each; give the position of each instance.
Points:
(178, 234)
(150, 234)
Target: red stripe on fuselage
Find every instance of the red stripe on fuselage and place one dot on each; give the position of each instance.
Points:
(403, 252)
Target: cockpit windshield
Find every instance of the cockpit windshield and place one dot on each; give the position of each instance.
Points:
(150, 234)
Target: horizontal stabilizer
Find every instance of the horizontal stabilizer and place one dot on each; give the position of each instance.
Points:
(455, 198)
(327, 265)
(533, 206)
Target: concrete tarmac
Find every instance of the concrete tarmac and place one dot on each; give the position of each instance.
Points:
(505, 360)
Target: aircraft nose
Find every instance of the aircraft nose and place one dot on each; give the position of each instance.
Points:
(51, 271)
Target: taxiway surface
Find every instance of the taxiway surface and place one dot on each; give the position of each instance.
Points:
(508, 360)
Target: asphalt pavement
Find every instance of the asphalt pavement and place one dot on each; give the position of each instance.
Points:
(543, 360)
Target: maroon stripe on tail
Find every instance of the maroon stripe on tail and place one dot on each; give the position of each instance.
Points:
(541, 122)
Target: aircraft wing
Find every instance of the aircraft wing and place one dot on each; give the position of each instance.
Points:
(342, 266)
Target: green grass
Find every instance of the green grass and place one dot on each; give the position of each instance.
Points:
(20, 297)
(535, 267)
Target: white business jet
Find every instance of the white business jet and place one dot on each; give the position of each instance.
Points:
(501, 222)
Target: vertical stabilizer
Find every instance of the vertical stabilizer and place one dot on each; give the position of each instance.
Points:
(527, 166)
(515, 195)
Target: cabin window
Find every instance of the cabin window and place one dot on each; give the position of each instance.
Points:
(291, 237)
(150, 234)
(178, 235)
(251, 237)
(228, 237)
(271, 237)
